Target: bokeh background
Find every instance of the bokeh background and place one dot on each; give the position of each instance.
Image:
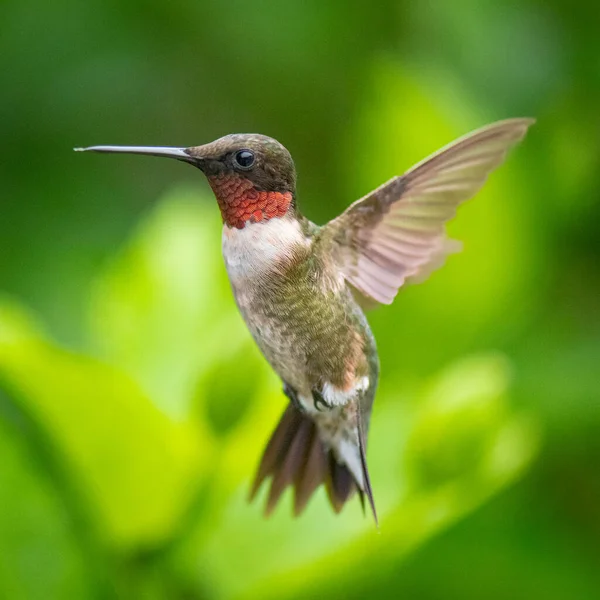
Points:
(133, 405)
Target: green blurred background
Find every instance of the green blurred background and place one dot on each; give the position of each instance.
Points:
(133, 405)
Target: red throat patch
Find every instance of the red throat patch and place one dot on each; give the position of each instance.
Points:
(240, 202)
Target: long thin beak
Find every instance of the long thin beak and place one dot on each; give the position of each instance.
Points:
(178, 153)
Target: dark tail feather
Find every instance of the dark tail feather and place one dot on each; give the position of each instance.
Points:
(368, 490)
(312, 474)
(289, 464)
(296, 456)
(340, 484)
(273, 455)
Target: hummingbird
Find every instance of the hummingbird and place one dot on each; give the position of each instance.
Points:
(303, 289)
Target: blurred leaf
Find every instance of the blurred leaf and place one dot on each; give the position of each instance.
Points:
(227, 388)
(282, 557)
(36, 530)
(482, 45)
(162, 308)
(132, 464)
(458, 420)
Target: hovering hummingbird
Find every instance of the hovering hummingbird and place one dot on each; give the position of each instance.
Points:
(301, 287)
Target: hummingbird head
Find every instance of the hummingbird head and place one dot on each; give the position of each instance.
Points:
(253, 176)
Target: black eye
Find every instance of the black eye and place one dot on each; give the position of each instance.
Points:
(244, 159)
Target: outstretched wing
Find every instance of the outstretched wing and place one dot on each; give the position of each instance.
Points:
(398, 230)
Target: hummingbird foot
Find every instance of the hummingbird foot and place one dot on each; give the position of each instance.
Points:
(320, 403)
(291, 393)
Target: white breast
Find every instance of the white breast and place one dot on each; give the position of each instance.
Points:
(259, 248)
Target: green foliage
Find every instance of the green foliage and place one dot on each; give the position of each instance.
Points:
(134, 406)
(37, 532)
(130, 462)
(137, 466)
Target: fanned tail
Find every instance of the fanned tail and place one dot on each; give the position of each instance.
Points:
(296, 455)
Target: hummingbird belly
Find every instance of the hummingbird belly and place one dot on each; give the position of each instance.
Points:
(303, 318)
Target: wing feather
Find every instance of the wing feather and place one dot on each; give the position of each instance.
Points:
(397, 231)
